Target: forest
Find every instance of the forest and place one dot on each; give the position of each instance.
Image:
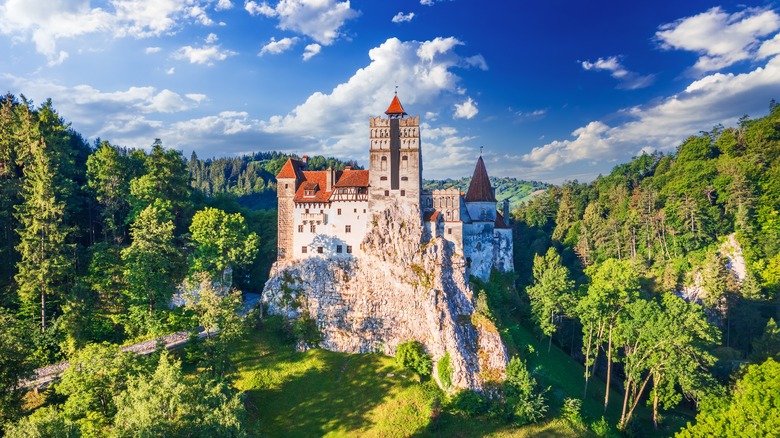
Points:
(660, 279)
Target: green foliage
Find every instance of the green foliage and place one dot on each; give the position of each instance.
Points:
(221, 242)
(444, 371)
(14, 364)
(572, 410)
(97, 375)
(523, 396)
(152, 264)
(305, 330)
(552, 293)
(469, 403)
(165, 404)
(46, 422)
(768, 345)
(516, 191)
(411, 355)
(750, 410)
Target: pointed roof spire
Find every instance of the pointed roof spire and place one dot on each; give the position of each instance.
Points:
(395, 108)
(480, 189)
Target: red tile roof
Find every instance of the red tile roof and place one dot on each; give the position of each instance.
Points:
(352, 178)
(479, 188)
(317, 179)
(395, 108)
(292, 169)
(431, 216)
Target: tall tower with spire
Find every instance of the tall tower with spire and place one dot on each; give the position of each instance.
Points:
(395, 159)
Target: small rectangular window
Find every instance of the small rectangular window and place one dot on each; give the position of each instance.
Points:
(319, 250)
(355, 211)
(449, 230)
(387, 192)
(338, 212)
(338, 249)
(364, 210)
(348, 228)
(300, 228)
(304, 249)
(382, 178)
(286, 186)
(313, 228)
(403, 192)
(307, 211)
(404, 178)
(349, 249)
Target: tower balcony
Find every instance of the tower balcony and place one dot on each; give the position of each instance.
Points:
(314, 218)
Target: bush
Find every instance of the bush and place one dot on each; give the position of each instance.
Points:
(412, 355)
(524, 399)
(469, 403)
(305, 330)
(572, 410)
(444, 371)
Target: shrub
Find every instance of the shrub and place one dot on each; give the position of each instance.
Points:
(523, 397)
(305, 330)
(469, 403)
(572, 410)
(444, 370)
(412, 355)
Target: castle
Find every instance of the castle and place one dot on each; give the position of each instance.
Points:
(327, 213)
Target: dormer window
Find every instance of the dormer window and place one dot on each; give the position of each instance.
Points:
(310, 190)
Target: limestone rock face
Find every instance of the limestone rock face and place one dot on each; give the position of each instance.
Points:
(400, 290)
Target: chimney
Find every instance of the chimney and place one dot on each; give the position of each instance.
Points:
(329, 179)
(305, 160)
(505, 212)
(347, 167)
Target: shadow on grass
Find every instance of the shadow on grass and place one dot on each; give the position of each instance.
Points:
(312, 393)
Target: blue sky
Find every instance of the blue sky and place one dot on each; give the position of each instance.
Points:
(553, 90)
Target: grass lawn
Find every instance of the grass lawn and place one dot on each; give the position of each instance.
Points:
(322, 393)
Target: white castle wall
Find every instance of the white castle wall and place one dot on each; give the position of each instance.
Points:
(330, 223)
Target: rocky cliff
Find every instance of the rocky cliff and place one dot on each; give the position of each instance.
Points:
(400, 290)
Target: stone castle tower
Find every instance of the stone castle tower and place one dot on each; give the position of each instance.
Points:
(395, 159)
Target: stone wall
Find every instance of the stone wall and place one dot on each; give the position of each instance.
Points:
(399, 290)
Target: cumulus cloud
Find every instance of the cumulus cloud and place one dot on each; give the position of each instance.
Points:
(206, 54)
(275, 47)
(713, 99)
(223, 5)
(721, 39)
(465, 110)
(311, 50)
(45, 23)
(321, 20)
(211, 38)
(769, 48)
(402, 18)
(626, 79)
(150, 50)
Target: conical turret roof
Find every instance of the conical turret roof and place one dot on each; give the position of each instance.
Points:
(395, 108)
(479, 188)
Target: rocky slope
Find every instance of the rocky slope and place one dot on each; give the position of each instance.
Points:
(400, 290)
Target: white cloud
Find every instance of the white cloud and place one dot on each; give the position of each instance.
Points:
(311, 50)
(427, 2)
(170, 71)
(531, 115)
(166, 101)
(223, 5)
(627, 79)
(466, 109)
(259, 9)
(275, 47)
(402, 18)
(150, 50)
(211, 38)
(320, 20)
(203, 55)
(197, 97)
(769, 48)
(721, 39)
(45, 23)
(713, 99)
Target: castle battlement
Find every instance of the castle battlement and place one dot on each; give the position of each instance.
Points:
(327, 213)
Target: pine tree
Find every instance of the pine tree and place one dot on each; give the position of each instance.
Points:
(44, 264)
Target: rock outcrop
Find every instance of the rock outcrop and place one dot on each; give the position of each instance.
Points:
(400, 290)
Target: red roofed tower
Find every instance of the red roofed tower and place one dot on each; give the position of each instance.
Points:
(396, 159)
(480, 197)
(287, 182)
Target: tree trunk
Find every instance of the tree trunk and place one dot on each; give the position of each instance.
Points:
(637, 396)
(656, 381)
(628, 385)
(587, 356)
(552, 321)
(609, 368)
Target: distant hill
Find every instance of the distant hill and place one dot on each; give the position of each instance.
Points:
(516, 190)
